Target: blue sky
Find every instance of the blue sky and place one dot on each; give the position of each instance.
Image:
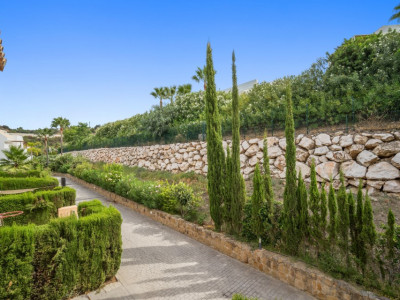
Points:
(98, 61)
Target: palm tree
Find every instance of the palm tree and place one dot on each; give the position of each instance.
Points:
(15, 158)
(159, 93)
(200, 76)
(184, 89)
(396, 15)
(171, 92)
(45, 133)
(62, 123)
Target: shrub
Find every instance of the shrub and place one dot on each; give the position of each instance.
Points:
(62, 258)
(38, 207)
(241, 297)
(27, 183)
(21, 174)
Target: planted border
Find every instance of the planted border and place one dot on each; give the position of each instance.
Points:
(21, 174)
(27, 183)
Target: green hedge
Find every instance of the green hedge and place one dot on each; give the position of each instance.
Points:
(26, 183)
(63, 258)
(21, 174)
(38, 207)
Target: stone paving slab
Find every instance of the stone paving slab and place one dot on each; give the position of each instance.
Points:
(160, 263)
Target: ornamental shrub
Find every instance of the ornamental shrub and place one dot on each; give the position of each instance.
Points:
(22, 174)
(332, 205)
(38, 207)
(62, 258)
(27, 183)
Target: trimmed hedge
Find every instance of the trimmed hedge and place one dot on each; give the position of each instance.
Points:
(38, 207)
(27, 183)
(63, 258)
(21, 174)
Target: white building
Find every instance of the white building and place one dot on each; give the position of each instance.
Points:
(244, 87)
(8, 139)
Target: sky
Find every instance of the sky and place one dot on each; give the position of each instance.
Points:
(97, 61)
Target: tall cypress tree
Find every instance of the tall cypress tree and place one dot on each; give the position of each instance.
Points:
(360, 245)
(315, 200)
(228, 192)
(352, 221)
(269, 192)
(368, 233)
(238, 192)
(215, 151)
(343, 216)
(324, 211)
(332, 205)
(390, 234)
(289, 197)
(302, 208)
(257, 203)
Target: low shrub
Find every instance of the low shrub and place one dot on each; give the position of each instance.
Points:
(62, 258)
(27, 183)
(241, 297)
(22, 174)
(38, 207)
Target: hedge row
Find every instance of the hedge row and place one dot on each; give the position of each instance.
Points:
(27, 183)
(63, 258)
(21, 174)
(38, 207)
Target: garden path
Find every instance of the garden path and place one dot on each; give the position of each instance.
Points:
(160, 263)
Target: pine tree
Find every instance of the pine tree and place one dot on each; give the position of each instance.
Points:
(302, 208)
(390, 234)
(289, 197)
(324, 211)
(228, 192)
(343, 216)
(352, 221)
(238, 187)
(368, 233)
(215, 152)
(315, 200)
(257, 203)
(269, 192)
(332, 205)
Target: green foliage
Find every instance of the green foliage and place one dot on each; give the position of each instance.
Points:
(27, 183)
(241, 297)
(315, 207)
(352, 221)
(215, 157)
(368, 233)
(289, 197)
(38, 207)
(343, 216)
(302, 209)
(16, 159)
(324, 211)
(257, 202)
(227, 206)
(390, 235)
(359, 247)
(62, 258)
(332, 206)
(22, 174)
(269, 192)
(237, 188)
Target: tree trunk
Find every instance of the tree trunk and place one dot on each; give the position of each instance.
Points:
(61, 143)
(160, 102)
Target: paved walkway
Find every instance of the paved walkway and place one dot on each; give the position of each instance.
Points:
(160, 263)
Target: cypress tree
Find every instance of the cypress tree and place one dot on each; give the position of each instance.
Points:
(315, 200)
(269, 192)
(302, 208)
(257, 202)
(332, 205)
(289, 197)
(324, 211)
(228, 192)
(390, 234)
(360, 244)
(368, 233)
(215, 151)
(352, 221)
(343, 216)
(238, 191)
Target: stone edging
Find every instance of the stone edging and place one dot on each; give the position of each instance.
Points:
(286, 269)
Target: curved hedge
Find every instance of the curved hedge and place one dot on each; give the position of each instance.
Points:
(38, 207)
(62, 258)
(27, 183)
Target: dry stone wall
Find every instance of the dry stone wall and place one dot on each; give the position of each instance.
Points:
(373, 157)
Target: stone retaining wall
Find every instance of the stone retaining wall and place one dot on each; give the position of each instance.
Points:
(284, 268)
(373, 157)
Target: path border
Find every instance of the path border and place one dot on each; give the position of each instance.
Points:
(283, 268)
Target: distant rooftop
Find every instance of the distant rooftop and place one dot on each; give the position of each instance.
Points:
(385, 29)
(244, 87)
